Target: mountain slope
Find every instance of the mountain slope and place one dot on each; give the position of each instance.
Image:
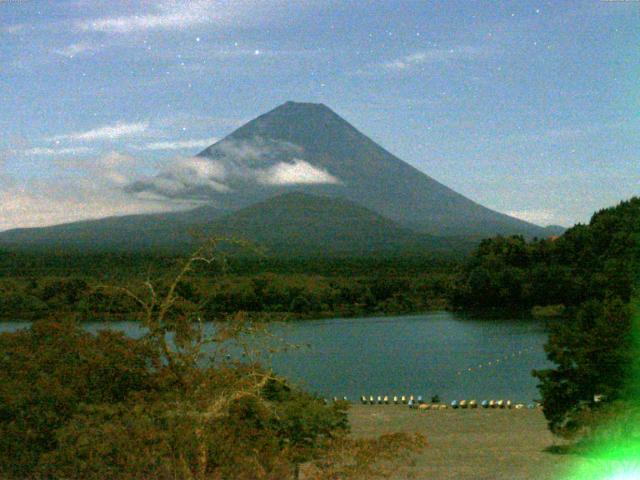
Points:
(124, 233)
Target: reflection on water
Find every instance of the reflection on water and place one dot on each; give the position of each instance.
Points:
(434, 353)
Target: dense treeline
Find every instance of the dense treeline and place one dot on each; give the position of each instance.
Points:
(592, 270)
(121, 265)
(265, 296)
(36, 285)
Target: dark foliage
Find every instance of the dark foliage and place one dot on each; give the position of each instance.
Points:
(588, 262)
(355, 287)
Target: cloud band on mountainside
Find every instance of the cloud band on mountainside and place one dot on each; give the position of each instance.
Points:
(234, 164)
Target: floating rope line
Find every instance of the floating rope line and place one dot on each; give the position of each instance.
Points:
(495, 362)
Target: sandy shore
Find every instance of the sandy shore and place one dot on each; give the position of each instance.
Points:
(470, 444)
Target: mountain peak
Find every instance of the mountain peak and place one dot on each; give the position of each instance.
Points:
(290, 104)
(301, 123)
(301, 108)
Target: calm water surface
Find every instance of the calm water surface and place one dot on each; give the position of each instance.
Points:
(421, 355)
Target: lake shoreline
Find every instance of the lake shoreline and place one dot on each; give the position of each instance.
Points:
(437, 353)
(286, 317)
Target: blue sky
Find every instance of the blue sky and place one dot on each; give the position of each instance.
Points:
(529, 107)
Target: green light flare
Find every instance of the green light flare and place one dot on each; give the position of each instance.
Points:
(609, 464)
(616, 456)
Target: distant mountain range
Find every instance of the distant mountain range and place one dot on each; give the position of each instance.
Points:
(297, 179)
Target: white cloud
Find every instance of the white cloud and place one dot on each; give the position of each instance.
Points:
(179, 144)
(436, 55)
(74, 49)
(107, 132)
(81, 189)
(198, 171)
(113, 169)
(56, 151)
(537, 216)
(183, 177)
(115, 160)
(233, 166)
(296, 173)
(49, 202)
(256, 151)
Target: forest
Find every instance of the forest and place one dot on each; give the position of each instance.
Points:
(37, 285)
(588, 262)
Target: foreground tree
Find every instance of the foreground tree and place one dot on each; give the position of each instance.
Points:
(592, 353)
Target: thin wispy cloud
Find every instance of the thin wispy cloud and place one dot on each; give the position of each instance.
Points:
(182, 15)
(136, 23)
(568, 133)
(75, 49)
(174, 15)
(13, 29)
(38, 151)
(178, 144)
(436, 55)
(107, 132)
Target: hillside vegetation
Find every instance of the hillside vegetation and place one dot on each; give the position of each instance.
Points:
(588, 262)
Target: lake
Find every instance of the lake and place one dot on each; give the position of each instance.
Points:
(433, 353)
